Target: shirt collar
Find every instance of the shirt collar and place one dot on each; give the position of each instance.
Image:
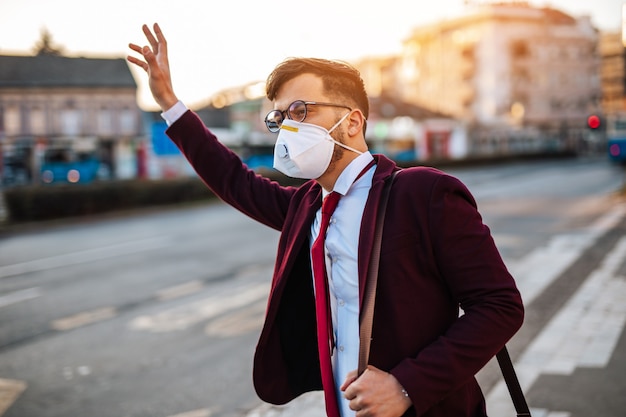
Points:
(350, 173)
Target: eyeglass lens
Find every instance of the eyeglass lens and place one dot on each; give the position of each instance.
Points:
(273, 120)
(296, 111)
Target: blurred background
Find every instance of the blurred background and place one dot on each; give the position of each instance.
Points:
(127, 289)
(450, 80)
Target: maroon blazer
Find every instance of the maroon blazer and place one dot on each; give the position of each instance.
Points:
(436, 255)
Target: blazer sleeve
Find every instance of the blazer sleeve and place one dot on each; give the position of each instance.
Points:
(476, 277)
(227, 176)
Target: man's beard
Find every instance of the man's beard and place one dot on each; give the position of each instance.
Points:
(338, 151)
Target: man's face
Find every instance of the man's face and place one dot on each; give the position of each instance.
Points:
(309, 87)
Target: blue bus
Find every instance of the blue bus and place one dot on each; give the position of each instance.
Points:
(616, 139)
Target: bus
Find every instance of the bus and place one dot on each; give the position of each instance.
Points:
(616, 138)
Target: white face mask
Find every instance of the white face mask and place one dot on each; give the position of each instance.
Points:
(304, 150)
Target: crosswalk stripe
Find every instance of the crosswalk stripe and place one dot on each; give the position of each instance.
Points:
(10, 390)
(184, 316)
(19, 296)
(595, 317)
(248, 319)
(203, 412)
(84, 318)
(178, 291)
(537, 270)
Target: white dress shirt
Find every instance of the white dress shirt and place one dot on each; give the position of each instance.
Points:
(342, 242)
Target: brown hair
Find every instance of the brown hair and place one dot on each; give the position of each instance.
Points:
(339, 78)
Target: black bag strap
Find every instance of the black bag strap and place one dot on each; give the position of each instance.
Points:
(512, 383)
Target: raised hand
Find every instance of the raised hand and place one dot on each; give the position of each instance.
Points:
(155, 62)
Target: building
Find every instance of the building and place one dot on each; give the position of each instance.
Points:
(505, 69)
(505, 63)
(613, 73)
(403, 130)
(56, 109)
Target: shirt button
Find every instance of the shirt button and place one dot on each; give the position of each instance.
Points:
(341, 348)
(342, 303)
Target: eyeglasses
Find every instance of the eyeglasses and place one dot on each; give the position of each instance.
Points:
(296, 111)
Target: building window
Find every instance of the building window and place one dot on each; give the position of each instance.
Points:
(37, 121)
(519, 49)
(105, 122)
(127, 122)
(70, 122)
(12, 123)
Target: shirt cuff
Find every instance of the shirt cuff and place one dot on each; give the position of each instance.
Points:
(174, 113)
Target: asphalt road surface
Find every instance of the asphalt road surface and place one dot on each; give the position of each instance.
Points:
(156, 313)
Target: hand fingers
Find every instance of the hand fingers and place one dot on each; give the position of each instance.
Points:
(137, 62)
(151, 60)
(159, 34)
(149, 57)
(351, 389)
(158, 45)
(355, 405)
(134, 60)
(350, 378)
(151, 39)
(134, 47)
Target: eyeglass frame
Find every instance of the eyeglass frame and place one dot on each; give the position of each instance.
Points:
(287, 114)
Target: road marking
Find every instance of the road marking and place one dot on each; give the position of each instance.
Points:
(84, 256)
(537, 270)
(594, 317)
(246, 320)
(184, 316)
(178, 291)
(84, 318)
(597, 314)
(10, 390)
(19, 296)
(309, 404)
(203, 412)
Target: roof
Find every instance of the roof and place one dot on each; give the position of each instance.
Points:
(492, 12)
(48, 70)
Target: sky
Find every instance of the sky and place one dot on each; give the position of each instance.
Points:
(221, 44)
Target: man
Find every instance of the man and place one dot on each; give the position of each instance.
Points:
(436, 253)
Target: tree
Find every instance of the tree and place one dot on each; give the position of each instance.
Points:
(45, 45)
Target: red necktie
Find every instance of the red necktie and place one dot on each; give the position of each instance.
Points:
(322, 307)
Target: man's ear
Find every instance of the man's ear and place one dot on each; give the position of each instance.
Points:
(356, 120)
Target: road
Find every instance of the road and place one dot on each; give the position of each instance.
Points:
(157, 313)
